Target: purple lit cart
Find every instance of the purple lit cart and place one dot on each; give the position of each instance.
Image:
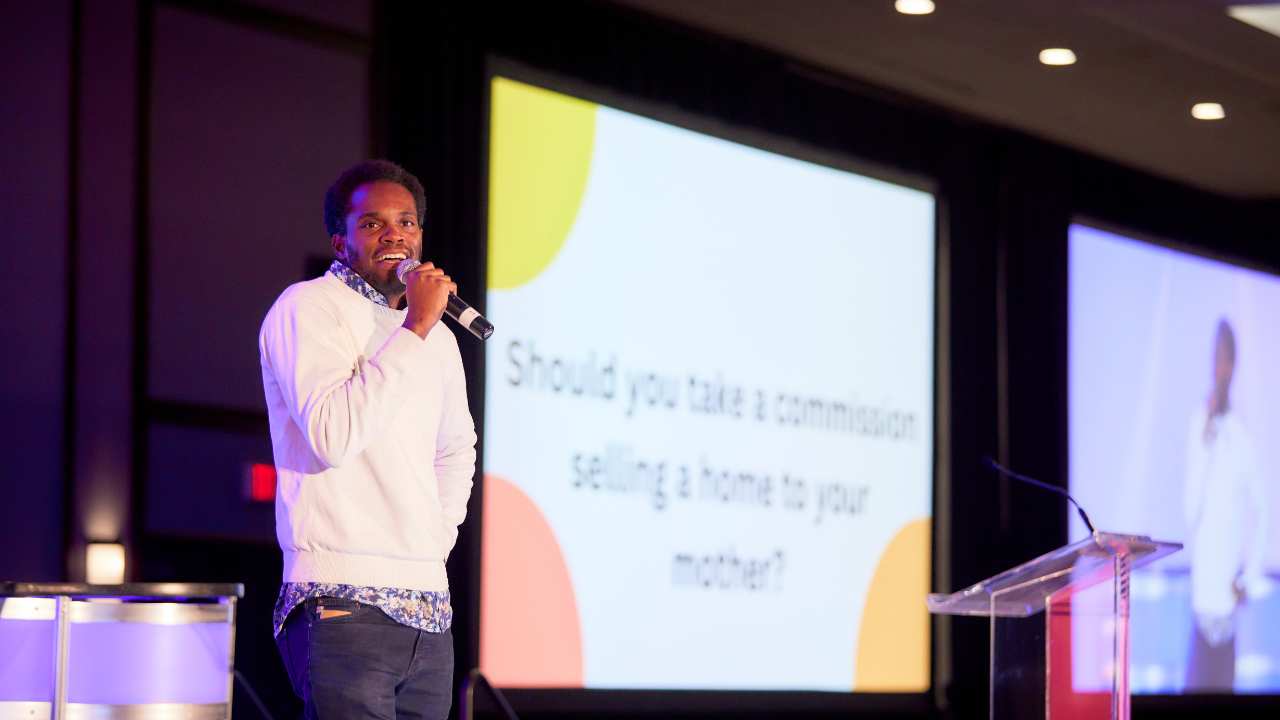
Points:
(140, 650)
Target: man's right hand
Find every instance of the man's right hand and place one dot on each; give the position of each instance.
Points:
(427, 291)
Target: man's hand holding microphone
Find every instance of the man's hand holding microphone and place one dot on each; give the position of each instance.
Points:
(427, 291)
(430, 293)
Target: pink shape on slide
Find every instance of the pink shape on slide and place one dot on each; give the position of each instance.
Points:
(530, 635)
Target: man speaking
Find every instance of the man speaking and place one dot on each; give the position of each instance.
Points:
(375, 451)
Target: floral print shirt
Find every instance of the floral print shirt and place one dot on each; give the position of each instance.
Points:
(357, 283)
(425, 610)
(421, 609)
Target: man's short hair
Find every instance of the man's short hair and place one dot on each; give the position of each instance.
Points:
(1226, 338)
(337, 199)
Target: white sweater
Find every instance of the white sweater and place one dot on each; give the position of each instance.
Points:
(1226, 513)
(374, 445)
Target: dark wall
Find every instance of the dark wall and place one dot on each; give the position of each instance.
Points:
(101, 292)
(247, 129)
(164, 166)
(35, 207)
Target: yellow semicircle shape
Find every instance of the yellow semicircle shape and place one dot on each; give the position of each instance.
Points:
(540, 150)
(893, 641)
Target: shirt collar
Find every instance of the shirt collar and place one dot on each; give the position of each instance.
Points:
(357, 283)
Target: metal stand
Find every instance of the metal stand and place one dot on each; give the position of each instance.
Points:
(467, 699)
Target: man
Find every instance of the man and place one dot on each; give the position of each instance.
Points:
(1225, 508)
(375, 451)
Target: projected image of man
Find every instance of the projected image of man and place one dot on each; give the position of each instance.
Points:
(1226, 520)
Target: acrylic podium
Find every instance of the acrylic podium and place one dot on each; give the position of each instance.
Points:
(138, 650)
(1076, 595)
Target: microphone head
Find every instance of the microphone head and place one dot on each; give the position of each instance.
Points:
(405, 267)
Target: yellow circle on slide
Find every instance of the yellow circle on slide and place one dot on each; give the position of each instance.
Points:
(539, 157)
(893, 642)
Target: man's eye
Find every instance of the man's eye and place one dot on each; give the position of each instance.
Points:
(368, 225)
(409, 223)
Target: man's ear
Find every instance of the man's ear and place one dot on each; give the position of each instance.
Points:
(339, 243)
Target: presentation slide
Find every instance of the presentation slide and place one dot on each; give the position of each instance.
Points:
(1174, 375)
(708, 425)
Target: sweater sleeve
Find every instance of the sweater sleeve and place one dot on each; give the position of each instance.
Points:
(1254, 572)
(455, 461)
(340, 401)
(1193, 477)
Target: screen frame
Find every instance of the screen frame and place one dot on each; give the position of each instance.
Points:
(1168, 243)
(1191, 704)
(666, 701)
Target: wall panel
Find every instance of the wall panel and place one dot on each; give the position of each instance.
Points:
(248, 129)
(35, 102)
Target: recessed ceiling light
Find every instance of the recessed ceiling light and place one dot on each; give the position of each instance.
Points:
(1057, 56)
(1208, 111)
(914, 7)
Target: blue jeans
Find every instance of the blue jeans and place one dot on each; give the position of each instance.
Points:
(1210, 668)
(347, 660)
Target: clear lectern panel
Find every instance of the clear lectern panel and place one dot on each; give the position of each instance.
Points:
(137, 650)
(1032, 610)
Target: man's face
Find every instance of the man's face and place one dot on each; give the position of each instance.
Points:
(381, 230)
(1223, 365)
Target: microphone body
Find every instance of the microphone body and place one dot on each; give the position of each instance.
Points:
(465, 315)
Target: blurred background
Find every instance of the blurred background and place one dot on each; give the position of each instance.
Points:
(165, 162)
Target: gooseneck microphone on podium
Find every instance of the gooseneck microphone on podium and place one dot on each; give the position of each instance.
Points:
(1043, 486)
(466, 316)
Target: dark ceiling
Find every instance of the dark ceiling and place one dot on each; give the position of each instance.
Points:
(1142, 65)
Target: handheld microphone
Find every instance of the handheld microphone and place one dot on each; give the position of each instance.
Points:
(1043, 486)
(467, 316)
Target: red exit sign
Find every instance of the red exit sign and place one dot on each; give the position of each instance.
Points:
(260, 483)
